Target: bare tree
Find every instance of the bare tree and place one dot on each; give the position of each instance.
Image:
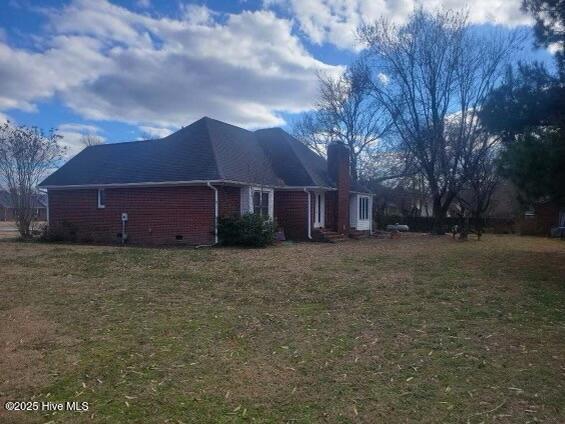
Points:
(89, 139)
(476, 197)
(346, 113)
(432, 75)
(26, 156)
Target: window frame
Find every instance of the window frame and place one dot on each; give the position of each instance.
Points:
(318, 209)
(263, 209)
(101, 202)
(363, 208)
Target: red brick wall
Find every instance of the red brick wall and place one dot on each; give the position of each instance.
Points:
(229, 200)
(156, 215)
(338, 168)
(331, 204)
(290, 210)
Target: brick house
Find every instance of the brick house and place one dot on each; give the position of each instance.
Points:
(173, 190)
(7, 212)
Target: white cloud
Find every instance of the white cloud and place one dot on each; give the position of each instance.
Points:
(81, 128)
(144, 3)
(67, 62)
(336, 21)
(554, 48)
(383, 78)
(197, 14)
(4, 118)
(155, 132)
(72, 134)
(109, 63)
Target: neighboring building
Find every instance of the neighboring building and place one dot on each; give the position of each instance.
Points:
(7, 212)
(544, 219)
(401, 201)
(174, 189)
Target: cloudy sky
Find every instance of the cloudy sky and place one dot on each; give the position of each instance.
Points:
(126, 69)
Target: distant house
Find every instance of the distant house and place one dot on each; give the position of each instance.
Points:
(7, 212)
(173, 190)
(401, 201)
(544, 219)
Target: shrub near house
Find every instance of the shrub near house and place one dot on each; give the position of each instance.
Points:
(249, 229)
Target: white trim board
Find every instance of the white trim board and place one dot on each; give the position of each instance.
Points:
(180, 183)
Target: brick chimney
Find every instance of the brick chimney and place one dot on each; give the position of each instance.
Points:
(339, 172)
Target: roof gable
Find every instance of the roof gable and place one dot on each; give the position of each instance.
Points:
(238, 155)
(292, 161)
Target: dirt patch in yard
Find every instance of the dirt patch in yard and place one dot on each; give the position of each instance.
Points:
(26, 338)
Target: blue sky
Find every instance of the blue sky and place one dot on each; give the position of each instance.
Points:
(126, 69)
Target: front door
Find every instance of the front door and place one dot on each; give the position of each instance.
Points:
(319, 210)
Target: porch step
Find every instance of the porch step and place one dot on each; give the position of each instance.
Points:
(359, 234)
(329, 236)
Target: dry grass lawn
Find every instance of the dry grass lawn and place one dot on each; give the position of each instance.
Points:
(422, 329)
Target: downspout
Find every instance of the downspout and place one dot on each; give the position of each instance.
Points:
(215, 211)
(309, 214)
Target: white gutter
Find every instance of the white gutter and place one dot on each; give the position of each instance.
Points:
(309, 214)
(144, 184)
(216, 211)
(180, 183)
(294, 188)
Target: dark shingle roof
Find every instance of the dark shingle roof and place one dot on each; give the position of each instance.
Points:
(295, 163)
(205, 150)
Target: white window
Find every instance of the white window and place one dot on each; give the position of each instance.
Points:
(257, 200)
(261, 202)
(363, 208)
(319, 210)
(101, 198)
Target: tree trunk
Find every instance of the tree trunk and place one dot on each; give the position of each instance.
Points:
(439, 214)
(353, 166)
(22, 200)
(23, 223)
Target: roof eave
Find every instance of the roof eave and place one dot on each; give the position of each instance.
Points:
(180, 183)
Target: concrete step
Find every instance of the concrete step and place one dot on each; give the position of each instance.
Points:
(358, 234)
(335, 237)
(330, 236)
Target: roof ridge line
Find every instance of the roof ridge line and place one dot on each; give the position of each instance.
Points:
(299, 157)
(123, 142)
(213, 148)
